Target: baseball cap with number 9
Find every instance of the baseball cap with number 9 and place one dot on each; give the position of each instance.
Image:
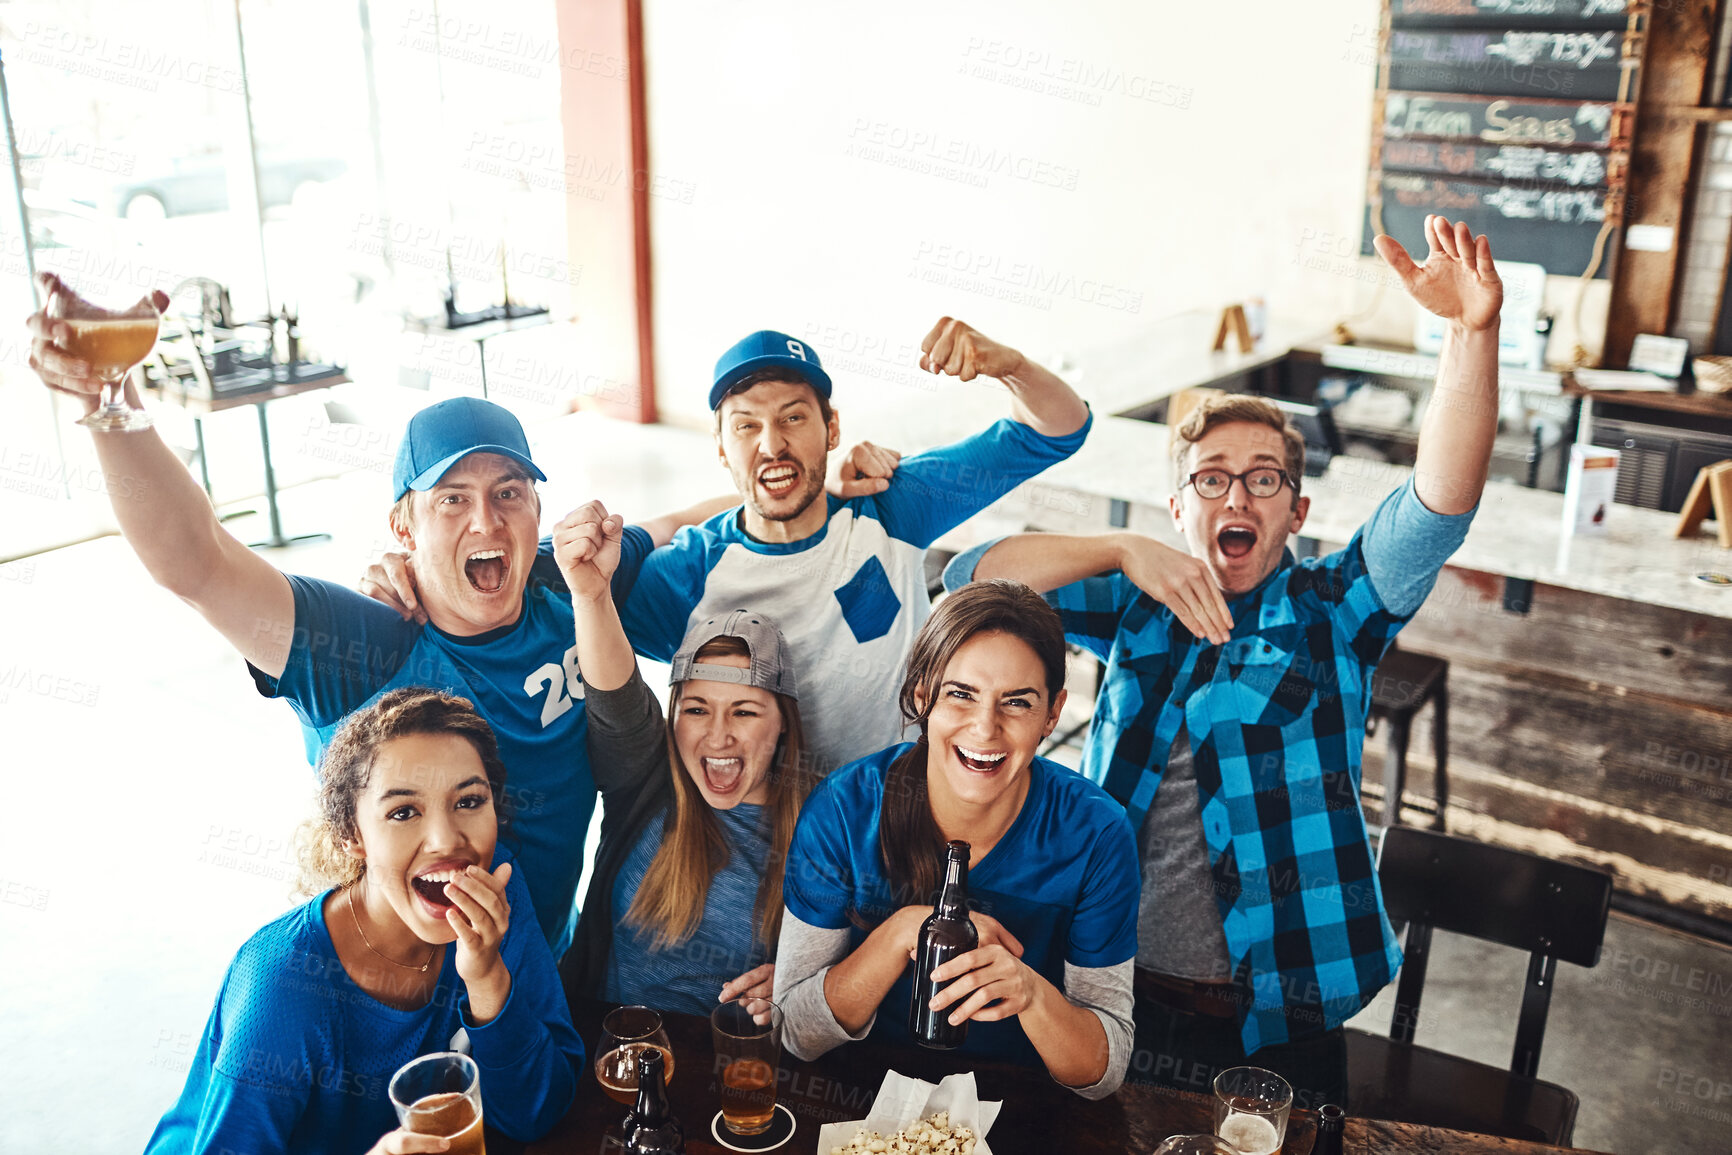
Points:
(768, 349)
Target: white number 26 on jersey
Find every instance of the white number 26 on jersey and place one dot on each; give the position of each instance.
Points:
(562, 684)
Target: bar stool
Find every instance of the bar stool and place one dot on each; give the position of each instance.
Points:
(1402, 683)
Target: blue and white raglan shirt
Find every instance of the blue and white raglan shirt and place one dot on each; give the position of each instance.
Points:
(1276, 719)
(349, 650)
(1063, 879)
(851, 597)
(297, 1058)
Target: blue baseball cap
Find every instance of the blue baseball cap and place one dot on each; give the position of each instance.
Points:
(441, 434)
(768, 349)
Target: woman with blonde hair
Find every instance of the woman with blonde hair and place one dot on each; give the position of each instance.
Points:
(421, 938)
(685, 904)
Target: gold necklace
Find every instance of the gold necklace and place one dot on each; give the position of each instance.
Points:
(406, 966)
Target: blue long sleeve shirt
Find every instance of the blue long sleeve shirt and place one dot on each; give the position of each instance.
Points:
(296, 1057)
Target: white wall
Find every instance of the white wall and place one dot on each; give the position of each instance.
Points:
(782, 135)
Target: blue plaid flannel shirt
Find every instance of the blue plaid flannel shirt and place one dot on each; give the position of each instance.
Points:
(1277, 725)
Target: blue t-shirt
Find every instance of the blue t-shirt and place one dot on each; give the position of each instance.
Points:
(688, 977)
(1064, 880)
(296, 1057)
(850, 598)
(348, 650)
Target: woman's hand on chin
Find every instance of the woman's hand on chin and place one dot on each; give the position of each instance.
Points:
(481, 915)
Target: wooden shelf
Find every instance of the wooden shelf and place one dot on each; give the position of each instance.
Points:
(1704, 115)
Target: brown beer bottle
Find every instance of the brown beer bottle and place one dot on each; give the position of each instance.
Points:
(947, 933)
(1331, 1128)
(651, 1128)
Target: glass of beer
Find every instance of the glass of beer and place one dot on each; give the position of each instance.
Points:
(440, 1094)
(626, 1033)
(1196, 1145)
(112, 341)
(1251, 1107)
(748, 1038)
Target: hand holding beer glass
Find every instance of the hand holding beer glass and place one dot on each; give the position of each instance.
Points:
(110, 341)
(440, 1095)
(748, 1037)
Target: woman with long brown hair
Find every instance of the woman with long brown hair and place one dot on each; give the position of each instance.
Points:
(685, 903)
(1053, 881)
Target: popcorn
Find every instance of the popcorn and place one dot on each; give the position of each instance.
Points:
(932, 1135)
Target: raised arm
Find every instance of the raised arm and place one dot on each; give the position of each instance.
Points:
(1458, 283)
(167, 519)
(1038, 397)
(586, 543)
(1047, 561)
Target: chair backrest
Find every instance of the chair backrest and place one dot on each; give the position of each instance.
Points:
(1553, 910)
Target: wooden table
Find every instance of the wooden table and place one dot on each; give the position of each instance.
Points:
(1038, 1115)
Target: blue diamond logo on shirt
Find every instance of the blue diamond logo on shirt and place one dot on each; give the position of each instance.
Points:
(869, 605)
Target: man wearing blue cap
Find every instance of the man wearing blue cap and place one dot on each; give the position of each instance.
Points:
(844, 578)
(468, 511)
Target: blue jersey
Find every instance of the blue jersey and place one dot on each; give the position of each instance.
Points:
(851, 597)
(349, 650)
(1064, 880)
(296, 1057)
(688, 977)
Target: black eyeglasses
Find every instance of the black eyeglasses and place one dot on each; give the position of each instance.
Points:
(1212, 484)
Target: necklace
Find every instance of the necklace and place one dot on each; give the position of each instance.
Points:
(406, 966)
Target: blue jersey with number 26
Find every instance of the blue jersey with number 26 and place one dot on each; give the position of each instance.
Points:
(349, 650)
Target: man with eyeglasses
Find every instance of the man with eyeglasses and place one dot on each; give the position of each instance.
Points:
(1231, 719)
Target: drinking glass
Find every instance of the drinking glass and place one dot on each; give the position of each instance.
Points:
(112, 341)
(1251, 1107)
(1196, 1145)
(748, 1038)
(626, 1033)
(440, 1094)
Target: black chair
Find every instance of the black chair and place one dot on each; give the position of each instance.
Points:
(1554, 910)
(1403, 683)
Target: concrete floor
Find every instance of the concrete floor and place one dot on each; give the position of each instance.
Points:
(151, 795)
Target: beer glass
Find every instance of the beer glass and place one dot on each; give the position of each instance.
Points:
(748, 1038)
(1251, 1107)
(625, 1034)
(112, 341)
(440, 1094)
(1196, 1145)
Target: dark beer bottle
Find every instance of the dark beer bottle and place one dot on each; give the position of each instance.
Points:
(947, 933)
(1331, 1125)
(651, 1128)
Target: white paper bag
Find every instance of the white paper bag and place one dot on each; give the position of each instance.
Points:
(903, 1099)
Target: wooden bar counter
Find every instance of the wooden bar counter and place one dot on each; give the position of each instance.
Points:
(1038, 1116)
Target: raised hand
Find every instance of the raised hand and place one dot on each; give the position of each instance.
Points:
(954, 348)
(58, 369)
(864, 470)
(391, 580)
(1457, 281)
(586, 544)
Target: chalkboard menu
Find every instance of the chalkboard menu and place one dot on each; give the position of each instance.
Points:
(1503, 113)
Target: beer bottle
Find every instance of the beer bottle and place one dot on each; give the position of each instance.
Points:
(947, 933)
(1331, 1125)
(652, 1128)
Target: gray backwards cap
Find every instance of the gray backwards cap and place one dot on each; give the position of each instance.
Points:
(772, 667)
